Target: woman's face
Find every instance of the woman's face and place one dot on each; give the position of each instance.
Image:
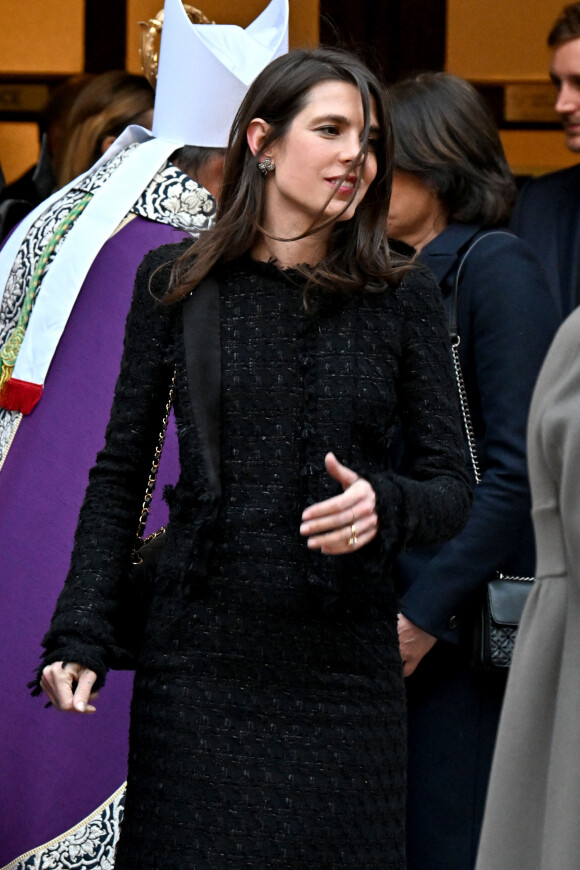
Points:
(416, 215)
(321, 142)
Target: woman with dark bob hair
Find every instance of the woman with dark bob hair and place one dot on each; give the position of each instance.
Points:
(450, 142)
(452, 189)
(268, 715)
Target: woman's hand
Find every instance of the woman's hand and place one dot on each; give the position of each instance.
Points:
(69, 687)
(414, 643)
(345, 522)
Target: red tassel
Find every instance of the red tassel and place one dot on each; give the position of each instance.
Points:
(20, 396)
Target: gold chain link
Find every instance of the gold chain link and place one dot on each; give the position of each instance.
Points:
(136, 558)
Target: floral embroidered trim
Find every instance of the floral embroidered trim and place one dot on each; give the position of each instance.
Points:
(175, 199)
(90, 845)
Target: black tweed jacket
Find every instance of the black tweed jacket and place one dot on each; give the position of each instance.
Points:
(374, 360)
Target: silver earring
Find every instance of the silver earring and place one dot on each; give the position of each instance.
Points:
(265, 166)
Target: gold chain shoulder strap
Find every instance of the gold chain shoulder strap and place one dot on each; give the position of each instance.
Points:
(149, 489)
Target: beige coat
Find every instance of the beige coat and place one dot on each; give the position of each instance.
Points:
(532, 818)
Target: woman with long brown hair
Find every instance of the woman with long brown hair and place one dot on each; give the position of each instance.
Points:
(268, 709)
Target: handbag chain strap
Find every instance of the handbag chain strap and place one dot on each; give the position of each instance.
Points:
(149, 489)
(465, 412)
(501, 576)
(455, 342)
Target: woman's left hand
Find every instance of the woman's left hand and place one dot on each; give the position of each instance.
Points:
(345, 522)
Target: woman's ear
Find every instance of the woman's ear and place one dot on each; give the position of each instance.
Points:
(256, 134)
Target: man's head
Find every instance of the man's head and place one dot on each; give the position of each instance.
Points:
(204, 165)
(564, 39)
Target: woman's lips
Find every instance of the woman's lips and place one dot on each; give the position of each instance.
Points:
(343, 185)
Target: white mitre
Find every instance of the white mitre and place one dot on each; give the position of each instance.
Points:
(204, 73)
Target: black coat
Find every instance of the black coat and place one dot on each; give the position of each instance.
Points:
(547, 217)
(506, 320)
(424, 505)
(294, 664)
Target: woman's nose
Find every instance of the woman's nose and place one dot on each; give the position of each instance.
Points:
(351, 150)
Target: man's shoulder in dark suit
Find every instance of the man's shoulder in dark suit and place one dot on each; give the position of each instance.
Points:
(547, 192)
(547, 216)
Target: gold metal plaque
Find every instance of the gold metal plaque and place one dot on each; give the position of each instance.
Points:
(23, 98)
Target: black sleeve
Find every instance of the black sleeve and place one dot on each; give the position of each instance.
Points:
(513, 319)
(81, 629)
(430, 503)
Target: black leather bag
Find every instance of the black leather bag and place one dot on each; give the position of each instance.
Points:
(503, 599)
(201, 331)
(497, 621)
(137, 589)
(135, 600)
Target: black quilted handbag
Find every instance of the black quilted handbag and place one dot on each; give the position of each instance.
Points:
(503, 599)
(497, 621)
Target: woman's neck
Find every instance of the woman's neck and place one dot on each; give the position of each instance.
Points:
(427, 232)
(288, 254)
(309, 250)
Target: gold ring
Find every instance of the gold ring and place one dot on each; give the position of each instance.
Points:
(353, 538)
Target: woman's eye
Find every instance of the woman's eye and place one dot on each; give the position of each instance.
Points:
(329, 129)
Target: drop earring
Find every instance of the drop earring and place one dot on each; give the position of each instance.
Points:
(265, 166)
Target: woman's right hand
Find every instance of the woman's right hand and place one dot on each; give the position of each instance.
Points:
(414, 644)
(69, 687)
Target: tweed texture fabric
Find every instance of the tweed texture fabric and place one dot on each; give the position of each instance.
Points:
(268, 717)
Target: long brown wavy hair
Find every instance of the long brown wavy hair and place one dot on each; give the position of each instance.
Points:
(358, 254)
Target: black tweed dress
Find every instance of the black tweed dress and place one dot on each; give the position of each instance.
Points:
(268, 731)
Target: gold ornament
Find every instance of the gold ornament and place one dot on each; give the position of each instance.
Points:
(151, 35)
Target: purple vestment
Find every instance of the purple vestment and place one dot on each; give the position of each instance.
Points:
(57, 768)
